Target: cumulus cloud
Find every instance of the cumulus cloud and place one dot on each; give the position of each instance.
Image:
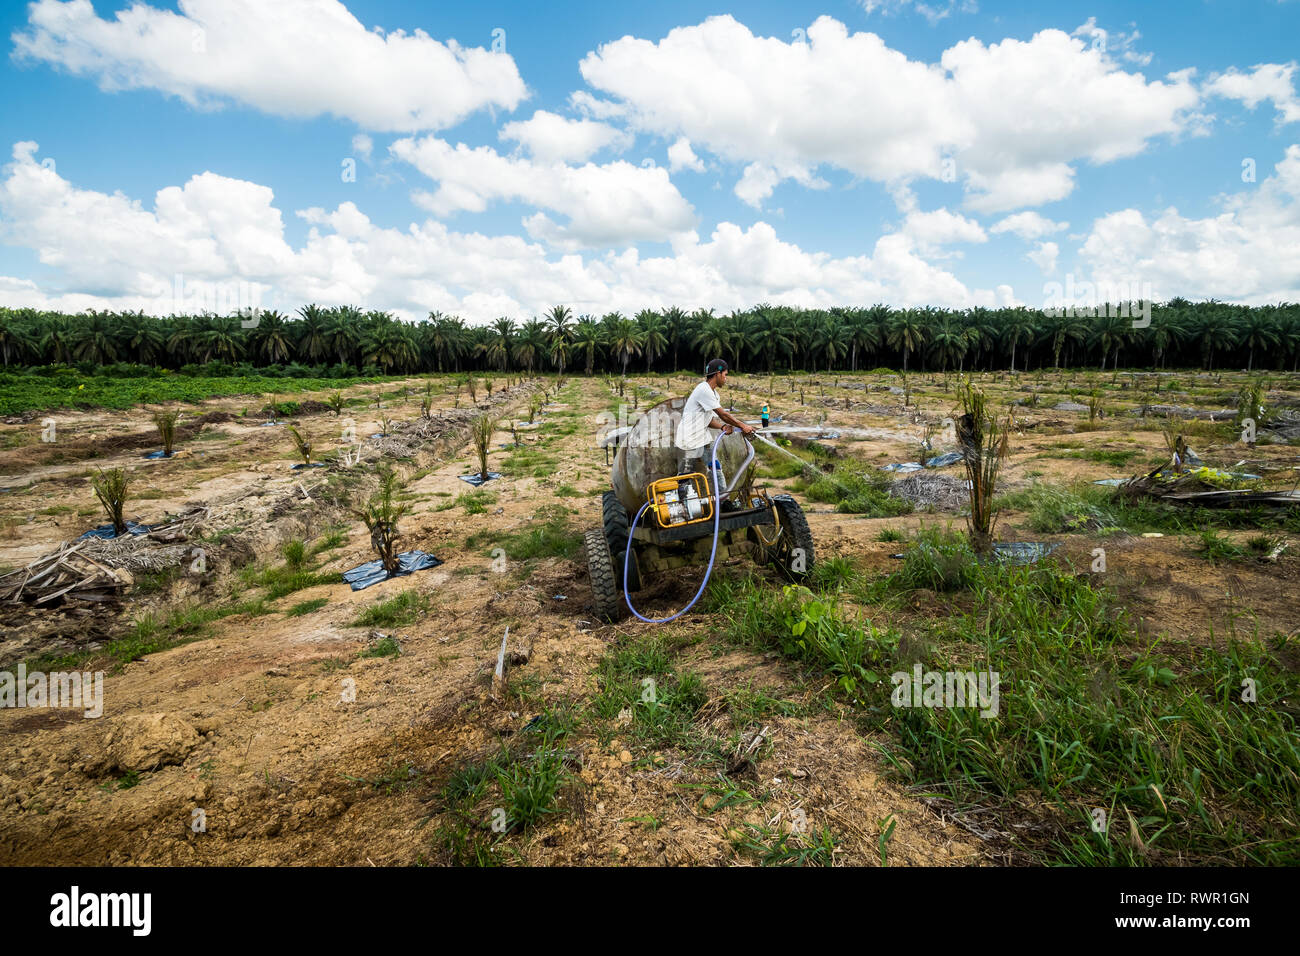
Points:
(1028, 225)
(681, 156)
(934, 12)
(1044, 256)
(611, 204)
(110, 251)
(1117, 43)
(213, 227)
(940, 227)
(1248, 253)
(1014, 115)
(297, 58)
(552, 138)
(1274, 82)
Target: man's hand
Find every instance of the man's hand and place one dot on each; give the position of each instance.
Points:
(727, 429)
(747, 429)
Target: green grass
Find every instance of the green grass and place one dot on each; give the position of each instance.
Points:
(401, 610)
(1216, 548)
(639, 678)
(772, 464)
(530, 462)
(775, 848)
(1086, 508)
(384, 647)
(332, 539)
(514, 790)
(294, 552)
(149, 634)
(548, 534)
(306, 607)
(43, 389)
(474, 502)
(1103, 456)
(855, 491)
(1055, 510)
(1092, 715)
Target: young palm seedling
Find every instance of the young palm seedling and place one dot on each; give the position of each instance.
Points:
(926, 450)
(983, 441)
(110, 488)
(1250, 403)
(426, 400)
(301, 445)
(473, 390)
(335, 402)
(1175, 443)
(534, 406)
(381, 514)
(166, 424)
(1094, 405)
(481, 433)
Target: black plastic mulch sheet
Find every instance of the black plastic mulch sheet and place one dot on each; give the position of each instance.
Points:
(1024, 552)
(476, 479)
(154, 455)
(106, 530)
(1016, 552)
(301, 465)
(372, 572)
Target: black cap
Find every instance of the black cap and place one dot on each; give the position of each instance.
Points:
(715, 366)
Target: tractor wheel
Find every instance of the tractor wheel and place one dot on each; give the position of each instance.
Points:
(607, 598)
(793, 550)
(614, 519)
(633, 569)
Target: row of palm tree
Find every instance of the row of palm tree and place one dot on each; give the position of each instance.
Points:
(764, 338)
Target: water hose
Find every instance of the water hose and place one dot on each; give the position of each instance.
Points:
(716, 467)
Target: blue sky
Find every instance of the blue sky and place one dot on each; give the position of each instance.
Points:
(1099, 141)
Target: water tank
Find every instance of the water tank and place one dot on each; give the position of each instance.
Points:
(649, 452)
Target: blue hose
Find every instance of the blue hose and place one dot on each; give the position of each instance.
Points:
(717, 517)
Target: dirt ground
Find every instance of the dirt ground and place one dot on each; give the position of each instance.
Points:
(293, 746)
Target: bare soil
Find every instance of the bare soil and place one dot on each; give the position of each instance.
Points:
(261, 733)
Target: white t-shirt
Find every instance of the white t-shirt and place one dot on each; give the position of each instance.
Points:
(693, 430)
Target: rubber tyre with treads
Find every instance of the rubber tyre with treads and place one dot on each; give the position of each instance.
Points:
(633, 570)
(606, 595)
(614, 518)
(795, 533)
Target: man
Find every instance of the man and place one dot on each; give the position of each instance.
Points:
(701, 413)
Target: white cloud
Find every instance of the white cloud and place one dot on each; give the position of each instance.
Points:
(113, 252)
(940, 227)
(1116, 43)
(932, 12)
(1267, 81)
(681, 156)
(551, 138)
(363, 145)
(585, 103)
(611, 204)
(849, 101)
(1044, 256)
(211, 228)
(1028, 225)
(297, 58)
(1248, 253)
